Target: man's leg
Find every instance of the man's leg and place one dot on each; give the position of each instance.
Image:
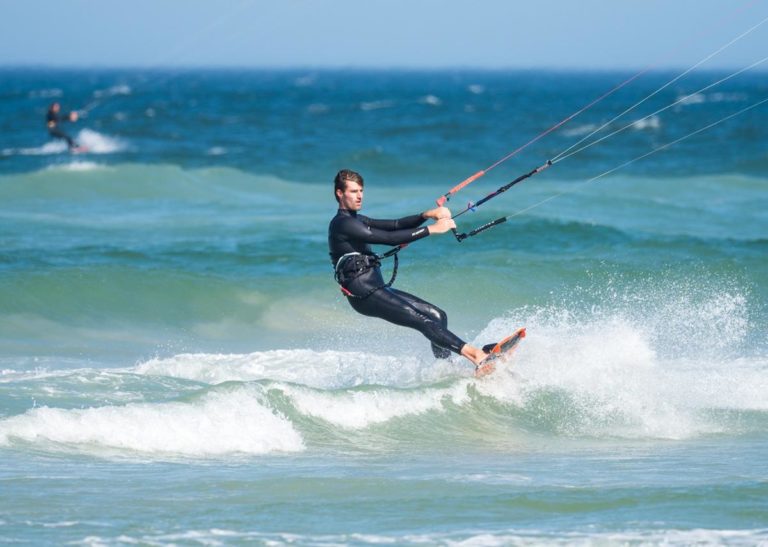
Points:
(432, 311)
(406, 310)
(59, 134)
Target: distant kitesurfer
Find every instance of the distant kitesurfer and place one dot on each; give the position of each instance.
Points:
(358, 270)
(54, 118)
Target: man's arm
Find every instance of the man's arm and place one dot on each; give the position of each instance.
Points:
(408, 222)
(357, 229)
(405, 223)
(360, 230)
(55, 119)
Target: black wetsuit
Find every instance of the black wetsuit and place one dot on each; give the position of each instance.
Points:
(359, 273)
(52, 121)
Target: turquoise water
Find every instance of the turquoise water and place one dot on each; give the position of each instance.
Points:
(177, 365)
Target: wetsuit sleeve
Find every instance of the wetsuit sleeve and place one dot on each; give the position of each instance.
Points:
(57, 118)
(405, 223)
(359, 229)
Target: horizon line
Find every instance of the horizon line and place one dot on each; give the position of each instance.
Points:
(356, 68)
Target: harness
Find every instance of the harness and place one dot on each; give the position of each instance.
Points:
(350, 266)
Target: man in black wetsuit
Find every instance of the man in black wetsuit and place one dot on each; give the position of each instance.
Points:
(52, 120)
(357, 268)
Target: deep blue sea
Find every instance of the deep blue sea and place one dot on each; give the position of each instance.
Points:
(178, 367)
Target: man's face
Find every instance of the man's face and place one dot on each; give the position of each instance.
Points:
(352, 197)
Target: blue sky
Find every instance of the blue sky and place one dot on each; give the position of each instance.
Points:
(571, 34)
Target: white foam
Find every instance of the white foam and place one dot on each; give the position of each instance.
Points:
(79, 166)
(518, 537)
(431, 100)
(653, 122)
(728, 97)
(718, 97)
(319, 369)
(235, 421)
(579, 130)
(694, 98)
(96, 143)
(323, 384)
(12, 375)
(611, 376)
(49, 148)
(120, 89)
(361, 408)
(376, 105)
(655, 368)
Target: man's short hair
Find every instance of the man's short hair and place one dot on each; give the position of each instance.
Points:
(340, 182)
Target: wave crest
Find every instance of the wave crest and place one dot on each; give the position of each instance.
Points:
(221, 422)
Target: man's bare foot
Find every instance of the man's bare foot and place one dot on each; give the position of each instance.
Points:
(476, 355)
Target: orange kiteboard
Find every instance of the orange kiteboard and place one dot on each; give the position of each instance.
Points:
(500, 353)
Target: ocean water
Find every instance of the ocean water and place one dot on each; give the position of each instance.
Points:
(177, 365)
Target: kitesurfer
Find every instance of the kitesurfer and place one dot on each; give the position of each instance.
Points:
(53, 118)
(357, 268)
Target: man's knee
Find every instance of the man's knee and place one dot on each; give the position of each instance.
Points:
(437, 314)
